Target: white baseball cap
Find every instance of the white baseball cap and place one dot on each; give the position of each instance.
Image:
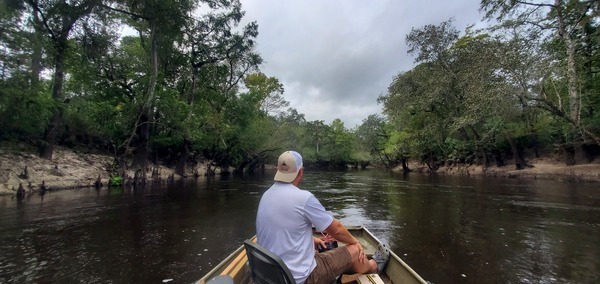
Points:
(288, 165)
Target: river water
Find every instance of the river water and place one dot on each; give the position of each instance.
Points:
(449, 229)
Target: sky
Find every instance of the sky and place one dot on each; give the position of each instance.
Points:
(336, 57)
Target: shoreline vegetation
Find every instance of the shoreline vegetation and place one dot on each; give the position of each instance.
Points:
(71, 169)
(494, 96)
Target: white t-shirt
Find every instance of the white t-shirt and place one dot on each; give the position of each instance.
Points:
(284, 221)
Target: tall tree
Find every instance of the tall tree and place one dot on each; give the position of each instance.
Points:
(318, 132)
(565, 22)
(447, 102)
(371, 136)
(24, 106)
(339, 148)
(58, 19)
(220, 55)
(160, 25)
(268, 92)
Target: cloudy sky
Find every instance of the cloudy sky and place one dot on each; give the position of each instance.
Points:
(335, 57)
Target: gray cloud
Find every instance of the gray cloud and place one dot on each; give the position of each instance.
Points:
(335, 58)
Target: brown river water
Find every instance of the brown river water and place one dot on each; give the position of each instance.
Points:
(449, 229)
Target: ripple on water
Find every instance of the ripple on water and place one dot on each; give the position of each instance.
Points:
(550, 205)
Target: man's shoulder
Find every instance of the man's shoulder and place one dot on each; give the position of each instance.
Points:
(305, 192)
(289, 189)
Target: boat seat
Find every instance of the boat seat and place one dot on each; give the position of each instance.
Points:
(265, 266)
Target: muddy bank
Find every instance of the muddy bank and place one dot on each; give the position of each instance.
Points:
(72, 169)
(543, 168)
(67, 169)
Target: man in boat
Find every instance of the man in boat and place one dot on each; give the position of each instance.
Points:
(284, 221)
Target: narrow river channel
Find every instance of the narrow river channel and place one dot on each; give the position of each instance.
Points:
(449, 229)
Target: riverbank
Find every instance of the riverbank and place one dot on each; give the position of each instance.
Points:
(72, 169)
(67, 169)
(542, 168)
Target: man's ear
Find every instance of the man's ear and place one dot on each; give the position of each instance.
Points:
(299, 177)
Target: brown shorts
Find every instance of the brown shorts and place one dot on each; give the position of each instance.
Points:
(330, 264)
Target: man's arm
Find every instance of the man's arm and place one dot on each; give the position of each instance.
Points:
(340, 233)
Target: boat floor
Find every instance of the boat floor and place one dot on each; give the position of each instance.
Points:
(351, 279)
(370, 249)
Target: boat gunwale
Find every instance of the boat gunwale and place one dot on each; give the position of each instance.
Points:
(392, 254)
(220, 266)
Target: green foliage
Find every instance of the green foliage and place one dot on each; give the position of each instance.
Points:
(339, 148)
(177, 85)
(265, 92)
(464, 96)
(370, 138)
(23, 112)
(115, 181)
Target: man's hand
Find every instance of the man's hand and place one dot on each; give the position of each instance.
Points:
(362, 257)
(319, 241)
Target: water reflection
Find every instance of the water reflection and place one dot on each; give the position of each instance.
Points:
(449, 229)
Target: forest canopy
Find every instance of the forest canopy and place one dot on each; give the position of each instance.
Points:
(528, 83)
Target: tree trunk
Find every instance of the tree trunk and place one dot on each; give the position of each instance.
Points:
(517, 155)
(180, 168)
(36, 56)
(498, 158)
(239, 170)
(583, 154)
(143, 146)
(141, 149)
(47, 149)
(59, 38)
(405, 168)
(568, 155)
(182, 162)
(385, 160)
(574, 97)
(481, 157)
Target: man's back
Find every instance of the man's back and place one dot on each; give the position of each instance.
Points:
(284, 223)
